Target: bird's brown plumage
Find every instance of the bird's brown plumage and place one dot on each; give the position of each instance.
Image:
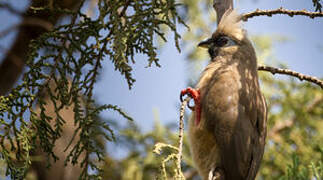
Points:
(232, 131)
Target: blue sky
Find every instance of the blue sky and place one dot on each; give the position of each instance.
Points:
(158, 88)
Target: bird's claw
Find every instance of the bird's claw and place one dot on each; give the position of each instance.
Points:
(216, 174)
(191, 107)
(195, 94)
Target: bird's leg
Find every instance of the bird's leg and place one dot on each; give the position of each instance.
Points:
(216, 174)
(196, 95)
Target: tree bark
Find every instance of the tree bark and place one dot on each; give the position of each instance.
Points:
(33, 25)
(58, 170)
(13, 64)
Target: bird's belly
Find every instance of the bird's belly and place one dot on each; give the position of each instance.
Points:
(204, 148)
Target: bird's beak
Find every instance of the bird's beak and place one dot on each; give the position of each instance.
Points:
(205, 43)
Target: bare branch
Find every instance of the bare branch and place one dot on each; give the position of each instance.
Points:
(279, 126)
(8, 7)
(221, 6)
(281, 10)
(29, 21)
(181, 135)
(300, 76)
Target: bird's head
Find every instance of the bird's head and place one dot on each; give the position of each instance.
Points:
(228, 38)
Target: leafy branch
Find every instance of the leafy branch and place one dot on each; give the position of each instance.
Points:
(62, 68)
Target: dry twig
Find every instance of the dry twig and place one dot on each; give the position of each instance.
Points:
(178, 156)
(300, 76)
(181, 135)
(281, 10)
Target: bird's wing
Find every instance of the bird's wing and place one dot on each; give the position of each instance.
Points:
(258, 148)
(232, 116)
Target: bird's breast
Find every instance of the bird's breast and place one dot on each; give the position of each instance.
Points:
(204, 148)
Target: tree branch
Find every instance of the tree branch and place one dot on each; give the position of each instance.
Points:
(181, 135)
(281, 10)
(10, 70)
(300, 76)
(28, 22)
(9, 8)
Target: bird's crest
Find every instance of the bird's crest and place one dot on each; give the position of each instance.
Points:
(230, 25)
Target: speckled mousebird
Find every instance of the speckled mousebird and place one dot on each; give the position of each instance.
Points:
(227, 130)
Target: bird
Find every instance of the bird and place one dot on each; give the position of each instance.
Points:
(227, 129)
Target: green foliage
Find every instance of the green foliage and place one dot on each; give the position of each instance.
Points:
(294, 124)
(63, 66)
(142, 162)
(294, 127)
(62, 69)
(297, 171)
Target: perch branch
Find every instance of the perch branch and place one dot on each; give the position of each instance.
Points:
(181, 135)
(281, 10)
(291, 73)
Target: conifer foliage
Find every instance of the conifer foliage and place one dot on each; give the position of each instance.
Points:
(64, 64)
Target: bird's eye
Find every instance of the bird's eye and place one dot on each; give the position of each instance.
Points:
(224, 41)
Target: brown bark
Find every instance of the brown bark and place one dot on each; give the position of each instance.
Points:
(34, 24)
(58, 171)
(13, 64)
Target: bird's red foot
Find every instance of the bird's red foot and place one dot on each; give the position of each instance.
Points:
(196, 95)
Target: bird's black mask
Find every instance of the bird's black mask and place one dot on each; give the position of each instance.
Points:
(213, 51)
(215, 43)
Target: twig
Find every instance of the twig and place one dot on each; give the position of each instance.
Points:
(281, 10)
(300, 76)
(181, 135)
(178, 156)
(10, 8)
(125, 7)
